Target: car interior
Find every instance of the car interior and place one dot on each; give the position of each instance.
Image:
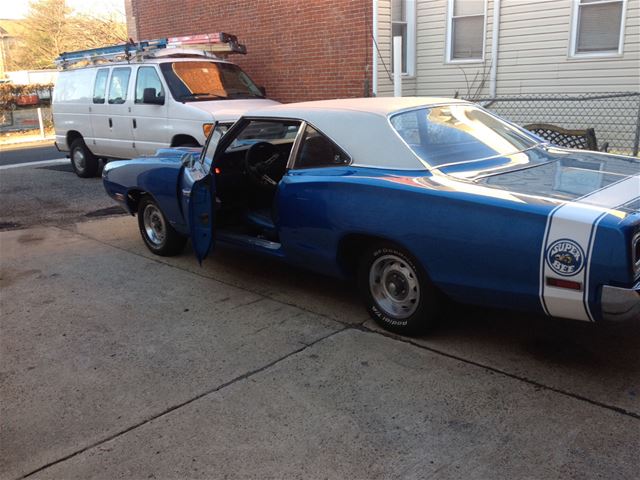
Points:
(249, 170)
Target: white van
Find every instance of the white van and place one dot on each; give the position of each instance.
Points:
(132, 108)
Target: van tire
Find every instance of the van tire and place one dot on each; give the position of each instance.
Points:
(84, 163)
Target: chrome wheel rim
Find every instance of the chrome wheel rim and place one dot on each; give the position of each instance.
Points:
(79, 161)
(394, 286)
(154, 226)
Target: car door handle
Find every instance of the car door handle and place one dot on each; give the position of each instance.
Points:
(135, 124)
(110, 123)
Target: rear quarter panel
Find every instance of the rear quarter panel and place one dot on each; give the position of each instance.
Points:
(477, 249)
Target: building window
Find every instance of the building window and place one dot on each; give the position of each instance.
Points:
(466, 30)
(598, 27)
(403, 24)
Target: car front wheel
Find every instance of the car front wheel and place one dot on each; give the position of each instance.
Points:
(398, 294)
(158, 235)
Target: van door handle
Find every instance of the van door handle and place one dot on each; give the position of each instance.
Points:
(110, 123)
(135, 125)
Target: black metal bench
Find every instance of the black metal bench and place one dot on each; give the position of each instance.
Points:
(563, 137)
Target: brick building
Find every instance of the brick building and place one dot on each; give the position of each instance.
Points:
(298, 50)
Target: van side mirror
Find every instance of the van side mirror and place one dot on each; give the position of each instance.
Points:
(149, 96)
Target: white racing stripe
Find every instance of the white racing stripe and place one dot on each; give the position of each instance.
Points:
(54, 161)
(568, 247)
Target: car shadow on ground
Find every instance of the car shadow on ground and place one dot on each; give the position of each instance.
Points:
(549, 340)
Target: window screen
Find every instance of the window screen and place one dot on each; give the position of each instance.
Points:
(118, 85)
(100, 86)
(467, 29)
(317, 150)
(599, 26)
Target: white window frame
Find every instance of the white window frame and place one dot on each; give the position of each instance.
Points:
(448, 46)
(410, 10)
(573, 41)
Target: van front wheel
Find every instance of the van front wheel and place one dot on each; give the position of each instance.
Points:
(84, 163)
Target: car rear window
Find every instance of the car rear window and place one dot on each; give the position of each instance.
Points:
(450, 134)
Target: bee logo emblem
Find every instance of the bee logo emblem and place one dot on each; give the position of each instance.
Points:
(565, 257)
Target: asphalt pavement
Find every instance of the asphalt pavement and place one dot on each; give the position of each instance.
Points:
(37, 192)
(120, 364)
(17, 154)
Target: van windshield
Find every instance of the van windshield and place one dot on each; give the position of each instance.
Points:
(200, 81)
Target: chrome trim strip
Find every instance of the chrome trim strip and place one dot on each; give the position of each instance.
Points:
(296, 145)
(635, 261)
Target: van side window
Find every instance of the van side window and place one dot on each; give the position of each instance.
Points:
(118, 85)
(148, 78)
(100, 86)
(316, 150)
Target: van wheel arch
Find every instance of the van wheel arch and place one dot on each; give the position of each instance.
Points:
(72, 136)
(183, 140)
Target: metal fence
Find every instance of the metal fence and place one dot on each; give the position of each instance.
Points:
(22, 118)
(615, 117)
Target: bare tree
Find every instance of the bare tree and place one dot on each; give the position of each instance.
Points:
(51, 28)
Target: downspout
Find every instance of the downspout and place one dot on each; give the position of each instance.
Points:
(374, 50)
(495, 41)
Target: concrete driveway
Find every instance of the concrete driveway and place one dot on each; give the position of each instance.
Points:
(119, 364)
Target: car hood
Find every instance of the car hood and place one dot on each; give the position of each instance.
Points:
(231, 110)
(562, 174)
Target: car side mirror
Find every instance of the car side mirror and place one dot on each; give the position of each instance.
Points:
(149, 96)
(263, 90)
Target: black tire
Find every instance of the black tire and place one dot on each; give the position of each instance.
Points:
(415, 308)
(158, 234)
(84, 163)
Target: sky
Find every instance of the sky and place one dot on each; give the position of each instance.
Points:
(19, 8)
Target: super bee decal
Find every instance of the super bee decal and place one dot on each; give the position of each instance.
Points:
(567, 248)
(565, 257)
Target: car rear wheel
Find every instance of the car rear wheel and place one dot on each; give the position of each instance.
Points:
(397, 292)
(84, 163)
(158, 234)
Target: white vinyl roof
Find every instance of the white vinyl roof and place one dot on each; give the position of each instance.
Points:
(360, 126)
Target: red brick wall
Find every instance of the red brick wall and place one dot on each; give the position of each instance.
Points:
(298, 49)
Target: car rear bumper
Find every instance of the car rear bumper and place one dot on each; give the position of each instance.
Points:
(620, 304)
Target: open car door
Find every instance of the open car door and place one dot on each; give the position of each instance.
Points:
(198, 186)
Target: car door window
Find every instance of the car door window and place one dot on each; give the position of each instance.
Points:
(148, 78)
(212, 144)
(317, 150)
(100, 85)
(118, 85)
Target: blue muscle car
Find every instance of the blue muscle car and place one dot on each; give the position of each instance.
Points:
(415, 198)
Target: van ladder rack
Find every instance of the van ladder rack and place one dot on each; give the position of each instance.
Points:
(212, 43)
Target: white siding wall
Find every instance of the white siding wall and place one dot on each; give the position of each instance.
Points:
(533, 57)
(534, 52)
(434, 77)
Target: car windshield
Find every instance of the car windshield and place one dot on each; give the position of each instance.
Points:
(194, 81)
(451, 134)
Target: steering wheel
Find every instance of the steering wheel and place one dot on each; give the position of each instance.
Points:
(261, 164)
